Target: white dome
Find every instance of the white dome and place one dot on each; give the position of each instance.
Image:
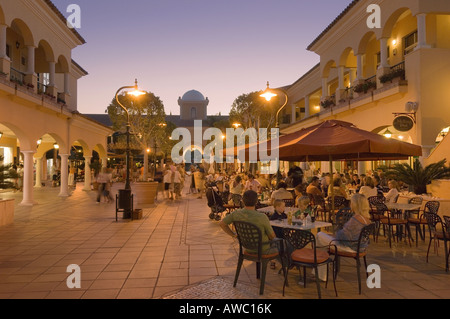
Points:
(193, 96)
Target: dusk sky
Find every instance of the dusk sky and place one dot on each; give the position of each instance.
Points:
(220, 48)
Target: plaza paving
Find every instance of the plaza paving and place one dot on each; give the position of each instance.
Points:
(175, 251)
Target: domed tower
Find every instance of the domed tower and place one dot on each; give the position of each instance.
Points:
(193, 106)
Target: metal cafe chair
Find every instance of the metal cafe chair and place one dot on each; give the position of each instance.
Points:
(387, 219)
(250, 238)
(361, 251)
(441, 233)
(307, 257)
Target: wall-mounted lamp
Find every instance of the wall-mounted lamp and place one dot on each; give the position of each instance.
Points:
(17, 44)
(387, 133)
(56, 146)
(1, 134)
(39, 142)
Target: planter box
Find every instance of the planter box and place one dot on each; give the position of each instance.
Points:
(137, 214)
(145, 192)
(6, 212)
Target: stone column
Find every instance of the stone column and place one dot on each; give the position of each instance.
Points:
(28, 179)
(384, 67)
(30, 75)
(341, 86)
(5, 62)
(38, 183)
(307, 107)
(422, 31)
(52, 86)
(87, 173)
(359, 69)
(64, 188)
(325, 91)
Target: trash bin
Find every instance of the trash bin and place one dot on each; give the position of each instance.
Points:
(125, 202)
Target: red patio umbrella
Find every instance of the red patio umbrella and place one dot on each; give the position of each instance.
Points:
(337, 140)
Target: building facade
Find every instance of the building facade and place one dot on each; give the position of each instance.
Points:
(38, 93)
(369, 77)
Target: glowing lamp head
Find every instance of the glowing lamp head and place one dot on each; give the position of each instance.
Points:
(136, 92)
(56, 146)
(268, 94)
(387, 133)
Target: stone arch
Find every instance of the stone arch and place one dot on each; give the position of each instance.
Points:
(22, 28)
(100, 149)
(86, 149)
(62, 65)
(388, 26)
(2, 16)
(344, 58)
(23, 138)
(363, 43)
(45, 47)
(326, 70)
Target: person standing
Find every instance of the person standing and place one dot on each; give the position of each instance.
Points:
(167, 181)
(252, 184)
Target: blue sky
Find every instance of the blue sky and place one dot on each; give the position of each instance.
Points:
(220, 48)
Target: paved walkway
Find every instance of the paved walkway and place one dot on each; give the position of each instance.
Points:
(175, 251)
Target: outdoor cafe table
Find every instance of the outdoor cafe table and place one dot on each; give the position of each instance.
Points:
(403, 207)
(309, 226)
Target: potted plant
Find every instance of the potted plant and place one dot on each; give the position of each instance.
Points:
(418, 177)
(327, 103)
(365, 87)
(389, 77)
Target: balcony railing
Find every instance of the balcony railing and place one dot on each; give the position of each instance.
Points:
(42, 88)
(17, 76)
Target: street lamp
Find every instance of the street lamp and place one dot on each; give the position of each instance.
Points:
(136, 93)
(268, 94)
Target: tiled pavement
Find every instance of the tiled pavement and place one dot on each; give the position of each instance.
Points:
(175, 251)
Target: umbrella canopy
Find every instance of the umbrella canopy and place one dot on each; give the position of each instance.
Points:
(337, 140)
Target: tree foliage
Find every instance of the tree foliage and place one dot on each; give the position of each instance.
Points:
(250, 110)
(147, 119)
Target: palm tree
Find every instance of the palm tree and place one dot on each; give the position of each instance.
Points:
(417, 176)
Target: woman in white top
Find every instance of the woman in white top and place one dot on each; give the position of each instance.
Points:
(393, 194)
(369, 189)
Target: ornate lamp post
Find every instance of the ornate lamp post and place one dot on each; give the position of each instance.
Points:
(268, 94)
(126, 196)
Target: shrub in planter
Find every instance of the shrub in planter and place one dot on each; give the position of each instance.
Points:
(365, 87)
(327, 103)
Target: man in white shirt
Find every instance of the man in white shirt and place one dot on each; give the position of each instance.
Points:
(281, 193)
(252, 184)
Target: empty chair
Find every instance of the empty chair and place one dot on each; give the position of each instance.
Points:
(438, 232)
(305, 257)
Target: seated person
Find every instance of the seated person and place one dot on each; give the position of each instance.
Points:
(350, 232)
(392, 195)
(300, 191)
(338, 189)
(313, 187)
(278, 210)
(304, 207)
(369, 189)
(278, 214)
(249, 214)
(281, 193)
